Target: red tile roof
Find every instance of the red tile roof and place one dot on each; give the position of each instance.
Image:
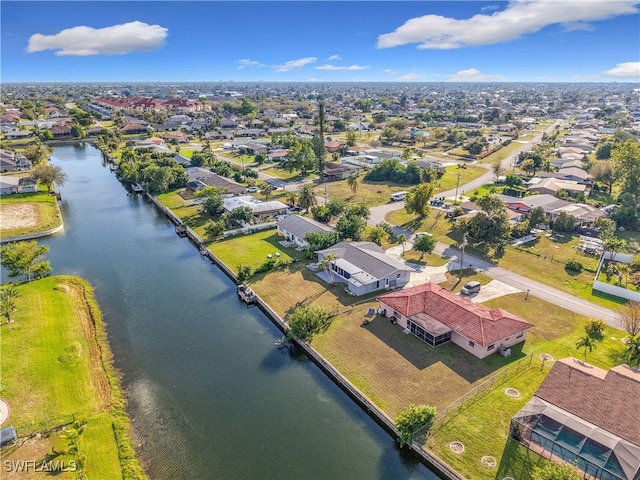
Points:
(471, 320)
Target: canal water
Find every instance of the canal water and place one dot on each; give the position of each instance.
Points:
(211, 395)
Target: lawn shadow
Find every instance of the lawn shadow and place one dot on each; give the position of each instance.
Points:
(517, 461)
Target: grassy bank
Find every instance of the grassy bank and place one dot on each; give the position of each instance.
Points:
(57, 375)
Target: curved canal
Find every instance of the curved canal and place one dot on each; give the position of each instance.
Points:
(210, 394)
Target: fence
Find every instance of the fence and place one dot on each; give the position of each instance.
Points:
(482, 389)
(46, 425)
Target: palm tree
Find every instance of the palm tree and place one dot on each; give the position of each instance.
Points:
(587, 343)
(325, 262)
(623, 271)
(292, 198)
(8, 297)
(402, 238)
(307, 197)
(352, 181)
(267, 190)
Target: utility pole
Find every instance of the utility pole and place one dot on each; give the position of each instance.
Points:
(325, 193)
(455, 200)
(464, 244)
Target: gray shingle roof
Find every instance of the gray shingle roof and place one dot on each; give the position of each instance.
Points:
(367, 256)
(300, 226)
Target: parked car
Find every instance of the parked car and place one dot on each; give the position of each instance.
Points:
(470, 288)
(422, 234)
(252, 189)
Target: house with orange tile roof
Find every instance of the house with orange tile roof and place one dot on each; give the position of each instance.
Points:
(438, 316)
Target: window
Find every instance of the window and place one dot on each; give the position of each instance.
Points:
(471, 344)
(490, 347)
(520, 335)
(398, 276)
(378, 284)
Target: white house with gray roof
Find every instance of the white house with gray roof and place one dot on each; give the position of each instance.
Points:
(365, 267)
(295, 227)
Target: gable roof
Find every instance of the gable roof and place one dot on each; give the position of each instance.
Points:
(584, 390)
(300, 226)
(471, 320)
(367, 256)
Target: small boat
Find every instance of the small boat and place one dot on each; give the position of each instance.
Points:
(136, 188)
(246, 294)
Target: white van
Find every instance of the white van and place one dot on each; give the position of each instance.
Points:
(470, 288)
(396, 197)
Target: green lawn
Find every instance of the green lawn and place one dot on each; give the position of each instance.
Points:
(251, 250)
(42, 207)
(450, 177)
(56, 364)
(282, 174)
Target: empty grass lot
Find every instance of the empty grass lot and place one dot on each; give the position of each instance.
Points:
(55, 364)
(251, 250)
(37, 212)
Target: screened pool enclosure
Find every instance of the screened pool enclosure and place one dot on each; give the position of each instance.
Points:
(557, 434)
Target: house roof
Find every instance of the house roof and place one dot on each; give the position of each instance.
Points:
(604, 398)
(546, 201)
(471, 320)
(366, 256)
(300, 226)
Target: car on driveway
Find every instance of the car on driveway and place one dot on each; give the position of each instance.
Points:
(422, 234)
(470, 288)
(252, 189)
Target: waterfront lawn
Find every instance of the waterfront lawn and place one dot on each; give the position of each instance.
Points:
(28, 213)
(251, 250)
(56, 366)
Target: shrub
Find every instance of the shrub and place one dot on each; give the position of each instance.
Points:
(412, 420)
(308, 320)
(245, 272)
(595, 328)
(574, 266)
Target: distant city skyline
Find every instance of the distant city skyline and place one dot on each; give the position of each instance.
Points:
(306, 41)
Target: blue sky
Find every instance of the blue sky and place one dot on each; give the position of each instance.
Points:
(392, 41)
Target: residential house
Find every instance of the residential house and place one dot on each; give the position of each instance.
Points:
(585, 416)
(10, 185)
(438, 316)
(365, 267)
(13, 162)
(201, 177)
(294, 228)
(261, 210)
(338, 171)
(552, 186)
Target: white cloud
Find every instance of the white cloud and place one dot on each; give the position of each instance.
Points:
(291, 64)
(474, 75)
(388, 71)
(246, 63)
(335, 57)
(521, 17)
(115, 40)
(625, 70)
(411, 77)
(341, 67)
